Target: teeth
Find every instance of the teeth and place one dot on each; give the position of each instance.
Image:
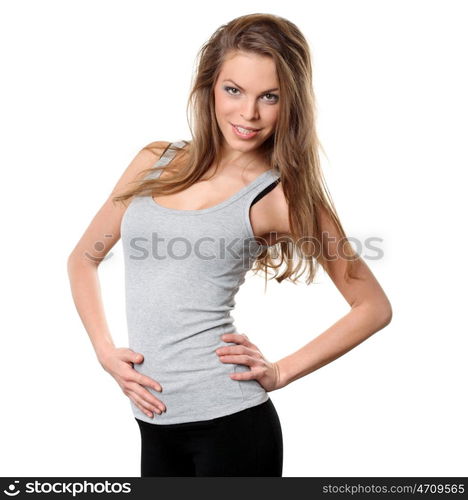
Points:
(244, 131)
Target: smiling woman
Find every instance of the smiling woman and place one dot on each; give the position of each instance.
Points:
(247, 187)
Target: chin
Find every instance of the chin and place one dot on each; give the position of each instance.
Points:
(243, 146)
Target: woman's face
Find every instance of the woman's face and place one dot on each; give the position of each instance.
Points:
(246, 94)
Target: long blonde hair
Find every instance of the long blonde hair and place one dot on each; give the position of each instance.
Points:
(292, 148)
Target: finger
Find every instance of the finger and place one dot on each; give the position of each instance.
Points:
(141, 379)
(141, 404)
(247, 375)
(147, 397)
(147, 403)
(239, 338)
(239, 360)
(144, 405)
(238, 349)
(133, 357)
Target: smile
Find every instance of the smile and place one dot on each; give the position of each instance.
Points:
(244, 133)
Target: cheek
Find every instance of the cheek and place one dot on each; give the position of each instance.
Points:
(272, 116)
(225, 106)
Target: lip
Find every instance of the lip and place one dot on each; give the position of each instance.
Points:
(247, 128)
(250, 135)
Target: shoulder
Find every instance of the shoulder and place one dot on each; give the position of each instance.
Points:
(139, 166)
(275, 213)
(154, 149)
(280, 210)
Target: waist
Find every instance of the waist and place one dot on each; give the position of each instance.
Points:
(196, 384)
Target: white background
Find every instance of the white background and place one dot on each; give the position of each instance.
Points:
(86, 84)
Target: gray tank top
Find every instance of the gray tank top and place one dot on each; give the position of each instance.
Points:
(183, 269)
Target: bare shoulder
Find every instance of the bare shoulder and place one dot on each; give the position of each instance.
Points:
(143, 160)
(152, 151)
(156, 148)
(105, 225)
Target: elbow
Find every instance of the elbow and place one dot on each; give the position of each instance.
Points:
(71, 260)
(387, 317)
(70, 264)
(380, 312)
(385, 313)
(74, 261)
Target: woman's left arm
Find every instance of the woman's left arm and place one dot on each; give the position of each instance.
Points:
(370, 312)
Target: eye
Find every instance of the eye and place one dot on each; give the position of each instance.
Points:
(275, 97)
(227, 89)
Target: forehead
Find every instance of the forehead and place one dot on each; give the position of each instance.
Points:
(250, 70)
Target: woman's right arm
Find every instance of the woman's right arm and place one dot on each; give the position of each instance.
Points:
(98, 239)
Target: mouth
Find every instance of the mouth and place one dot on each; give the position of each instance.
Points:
(245, 128)
(244, 133)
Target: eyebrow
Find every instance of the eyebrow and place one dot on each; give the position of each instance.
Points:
(264, 92)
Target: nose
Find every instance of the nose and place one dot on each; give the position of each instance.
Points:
(250, 110)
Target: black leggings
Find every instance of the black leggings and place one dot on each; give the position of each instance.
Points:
(245, 443)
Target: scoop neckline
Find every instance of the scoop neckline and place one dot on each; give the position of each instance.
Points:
(232, 198)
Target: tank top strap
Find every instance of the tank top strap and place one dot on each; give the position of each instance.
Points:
(166, 157)
(169, 153)
(262, 185)
(254, 192)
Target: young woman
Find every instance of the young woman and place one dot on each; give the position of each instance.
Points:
(246, 192)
